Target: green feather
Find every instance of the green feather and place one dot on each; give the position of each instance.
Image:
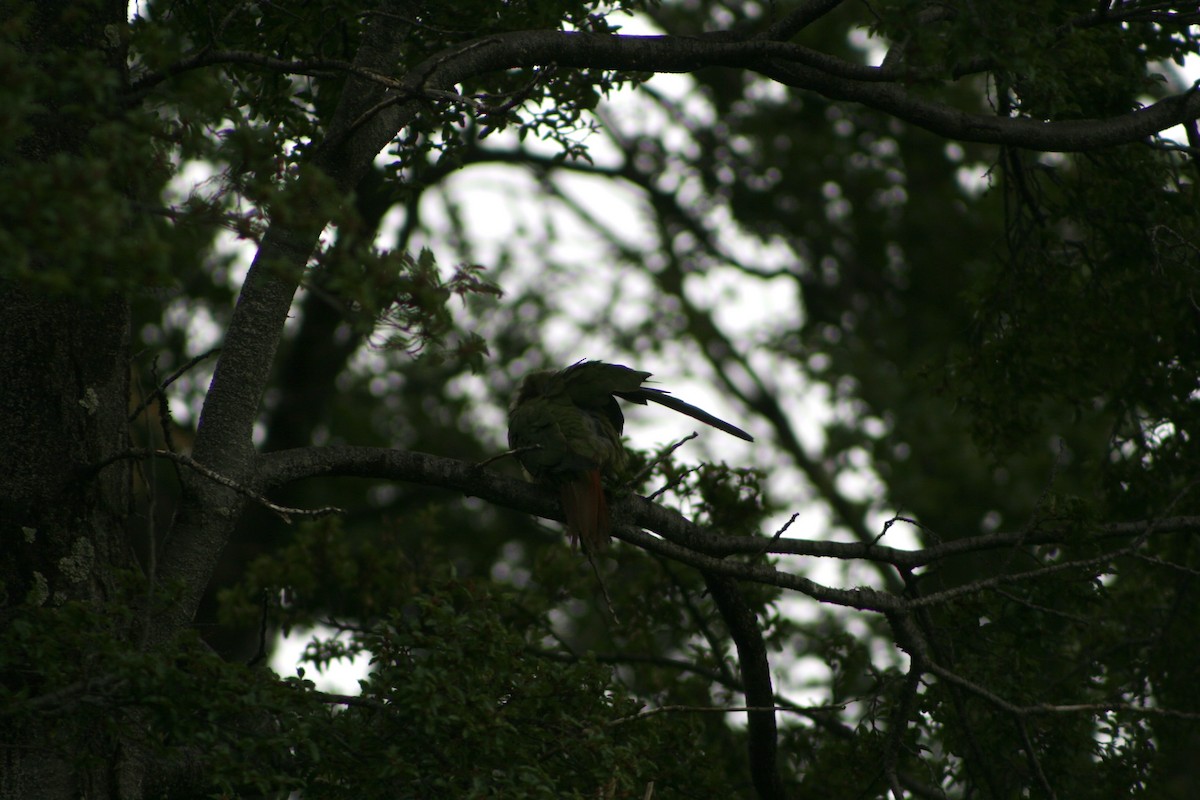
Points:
(566, 428)
(570, 428)
(573, 422)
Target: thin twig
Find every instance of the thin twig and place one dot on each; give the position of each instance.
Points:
(1039, 709)
(174, 376)
(1041, 608)
(509, 453)
(349, 700)
(676, 709)
(660, 457)
(261, 655)
(778, 534)
(603, 588)
(671, 484)
(1099, 562)
(1155, 560)
(284, 512)
(1035, 763)
(916, 524)
(151, 570)
(700, 621)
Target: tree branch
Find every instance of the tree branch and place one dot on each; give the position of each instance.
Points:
(747, 637)
(682, 540)
(224, 436)
(790, 64)
(910, 559)
(796, 66)
(797, 20)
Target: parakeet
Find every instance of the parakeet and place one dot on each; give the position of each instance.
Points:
(566, 427)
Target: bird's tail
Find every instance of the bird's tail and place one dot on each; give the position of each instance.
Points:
(675, 404)
(586, 511)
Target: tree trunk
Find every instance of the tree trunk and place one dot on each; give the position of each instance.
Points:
(63, 407)
(63, 402)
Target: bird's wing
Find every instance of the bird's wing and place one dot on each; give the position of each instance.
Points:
(566, 439)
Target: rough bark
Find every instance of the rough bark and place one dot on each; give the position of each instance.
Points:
(62, 407)
(63, 404)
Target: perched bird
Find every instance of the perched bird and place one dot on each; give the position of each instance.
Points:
(566, 428)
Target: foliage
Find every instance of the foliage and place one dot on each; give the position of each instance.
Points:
(971, 364)
(454, 668)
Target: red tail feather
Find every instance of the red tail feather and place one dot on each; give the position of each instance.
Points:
(587, 512)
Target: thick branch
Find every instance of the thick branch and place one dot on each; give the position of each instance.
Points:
(224, 434)
(223, 440)
(682, 540)
(756, 678)
(796, 66)
(685, 541)
(789, 64)
(798, 19)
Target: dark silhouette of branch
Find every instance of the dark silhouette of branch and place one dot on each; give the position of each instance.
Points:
(919, 637)
(908, 559)
(687, 542)
(681, 540)
(787, 63)
(675, 709)
(1089, 565)
(756, 680)
(160, 388)
(210, 58)
(283, 512)
(224, 436)
(1040, 709)
(902, 712)
(701, 622)
(1035, 763)
(795, 66)
(798, 19)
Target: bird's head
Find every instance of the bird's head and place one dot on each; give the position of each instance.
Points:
(535, 385)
